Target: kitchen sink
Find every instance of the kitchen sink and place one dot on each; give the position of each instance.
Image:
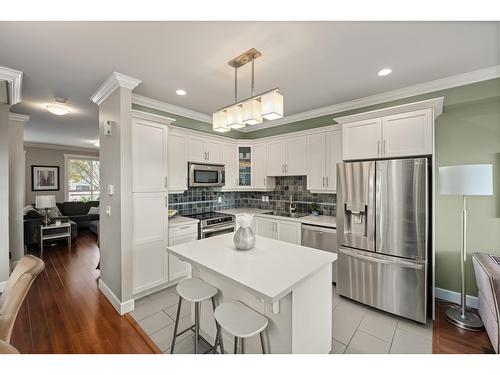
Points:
(286, 214)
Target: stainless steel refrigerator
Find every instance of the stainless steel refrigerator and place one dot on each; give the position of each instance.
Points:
(383, 234)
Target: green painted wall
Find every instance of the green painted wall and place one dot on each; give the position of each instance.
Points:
(467, 132)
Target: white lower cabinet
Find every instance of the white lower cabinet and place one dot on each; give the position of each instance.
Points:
(282, 230)
(177, 268)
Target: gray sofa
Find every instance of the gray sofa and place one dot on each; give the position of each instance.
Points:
(487, 273)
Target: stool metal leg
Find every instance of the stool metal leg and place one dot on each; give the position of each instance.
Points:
(219, 341)
(262, 342)
(235, 345)
(196, 326)
(176, 325)
(242, 345)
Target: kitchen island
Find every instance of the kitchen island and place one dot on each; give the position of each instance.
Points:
(290, 284)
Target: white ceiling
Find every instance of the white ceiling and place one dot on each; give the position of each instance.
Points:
(314, 63)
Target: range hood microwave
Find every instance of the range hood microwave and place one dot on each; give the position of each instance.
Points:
(206, 175)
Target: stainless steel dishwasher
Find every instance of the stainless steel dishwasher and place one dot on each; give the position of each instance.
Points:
(321, 238)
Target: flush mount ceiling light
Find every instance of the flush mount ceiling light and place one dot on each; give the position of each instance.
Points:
(251, 111)
(97, 144)
(181, 92)
(384, 72)
(58, 109)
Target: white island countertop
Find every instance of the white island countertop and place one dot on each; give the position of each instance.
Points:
(270, 270)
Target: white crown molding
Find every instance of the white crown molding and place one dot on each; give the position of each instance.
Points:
(170, 108)
(14, 79)
(491, 72)
(51, 146)
(111, 83)
(18, 117)
(152, 117)
(435, 103)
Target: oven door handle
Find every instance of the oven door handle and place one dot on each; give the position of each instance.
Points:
(218, 229)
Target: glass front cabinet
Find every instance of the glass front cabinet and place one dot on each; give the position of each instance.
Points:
(244, 166)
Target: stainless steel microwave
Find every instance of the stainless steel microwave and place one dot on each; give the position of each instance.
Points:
(206, 175)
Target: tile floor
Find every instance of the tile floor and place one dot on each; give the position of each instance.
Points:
(356, 328)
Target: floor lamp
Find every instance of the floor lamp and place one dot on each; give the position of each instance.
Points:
(464, 180)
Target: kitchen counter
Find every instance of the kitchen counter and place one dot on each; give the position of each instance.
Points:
(177, 221)
(323, 220)
(290, 284)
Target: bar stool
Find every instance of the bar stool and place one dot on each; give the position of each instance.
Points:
(195, 290)
(240, 321)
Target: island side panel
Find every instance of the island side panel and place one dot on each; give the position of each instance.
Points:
(278, 335)
(312, 314)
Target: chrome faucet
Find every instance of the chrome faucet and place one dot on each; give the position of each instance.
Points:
(293, 207)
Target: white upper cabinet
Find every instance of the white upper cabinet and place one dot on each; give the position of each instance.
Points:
(196, 149)
(334, 156)
(316, 162)
(287, 157)
(276, 158)
(259, 166)
(177, 162)
(149, 156)
(324, 151)
(229, 154)
(362, 139)
(213, 151)
(407, 134)
(296, 156)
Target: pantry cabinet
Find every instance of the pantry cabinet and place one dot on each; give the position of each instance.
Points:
(259, 166)
(229, 155)
(177, 162)
(398, 135)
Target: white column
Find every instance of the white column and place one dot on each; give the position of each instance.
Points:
(114, 98)
(4, 194)
(16, 185)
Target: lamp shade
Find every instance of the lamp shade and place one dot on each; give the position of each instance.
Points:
(45, 201)
(235, 117)
(272, 105)
(473, 179)
(219, 122)
(252, 112)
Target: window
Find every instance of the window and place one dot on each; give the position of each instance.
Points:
(82, 178)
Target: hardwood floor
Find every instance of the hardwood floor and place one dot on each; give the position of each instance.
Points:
(449, 339)
(65, 312)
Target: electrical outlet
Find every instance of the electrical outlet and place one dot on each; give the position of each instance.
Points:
(219, 199)
(108, 210)
(111, 189)
(263, 198)
(267, 198)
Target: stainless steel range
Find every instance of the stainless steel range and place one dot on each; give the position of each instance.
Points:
(213, 224)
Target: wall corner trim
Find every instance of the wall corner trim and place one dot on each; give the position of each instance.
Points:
(111, 83)
(121, 307)
(451, 296)
(18, 117)
(14, 79)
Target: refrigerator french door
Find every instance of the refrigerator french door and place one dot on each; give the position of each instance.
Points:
(382, 231)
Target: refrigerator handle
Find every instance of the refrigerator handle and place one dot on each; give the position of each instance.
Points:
(394, 261)
(370, 227)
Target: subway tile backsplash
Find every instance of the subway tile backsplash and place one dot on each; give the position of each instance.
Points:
(196, 200)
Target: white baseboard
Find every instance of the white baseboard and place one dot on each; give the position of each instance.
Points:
(451, 296)
(3, 284)
(121, 307)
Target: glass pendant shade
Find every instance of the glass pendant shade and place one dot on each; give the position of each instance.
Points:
(272, 105)
(234, 117)
(252, 112)
(219, 122)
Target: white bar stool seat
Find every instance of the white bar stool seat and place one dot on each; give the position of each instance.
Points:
(240, 321)
(195, 290)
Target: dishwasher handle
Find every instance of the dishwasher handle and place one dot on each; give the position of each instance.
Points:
(318, 229)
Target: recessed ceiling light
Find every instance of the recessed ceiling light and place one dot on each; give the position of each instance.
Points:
(58, 110)
(181, 92)
(384, 72)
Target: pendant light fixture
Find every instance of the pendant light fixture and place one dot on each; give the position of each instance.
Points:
(251, 111)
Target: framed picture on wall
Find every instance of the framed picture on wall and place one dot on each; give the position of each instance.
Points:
(44, 178)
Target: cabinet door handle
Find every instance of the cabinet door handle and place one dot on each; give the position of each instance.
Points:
(385, 150)
(326, 181)
(264, 181)
(208, 155)
(166, 182)
(323, 182)
(378, 148)
(286, 168)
